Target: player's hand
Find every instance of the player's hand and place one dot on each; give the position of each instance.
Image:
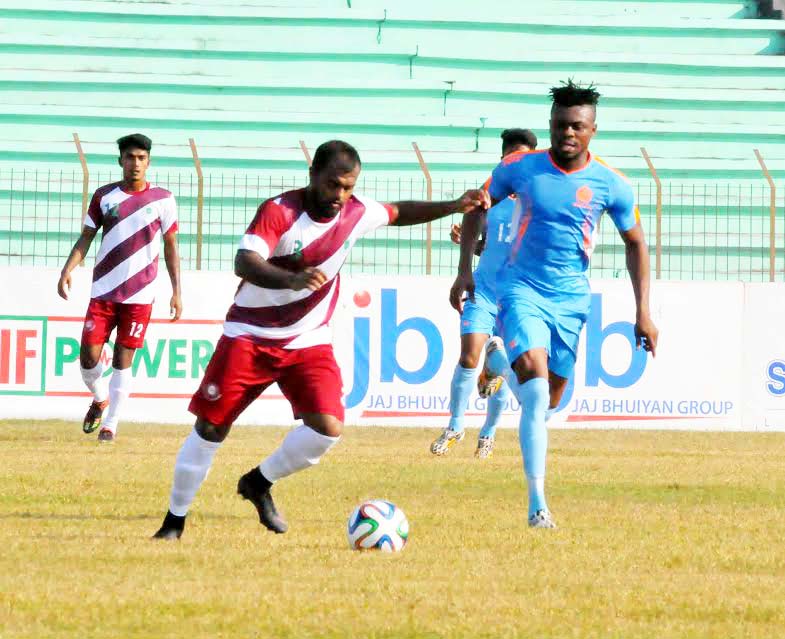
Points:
(646, 335)
(464, 283)
(64, 285)
(473, 201)
(455, 233)
(310, 278)
(175, 308)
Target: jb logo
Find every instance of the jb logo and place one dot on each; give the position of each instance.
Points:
(392, 328)
(595, 338)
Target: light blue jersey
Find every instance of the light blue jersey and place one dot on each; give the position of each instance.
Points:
(543, 290)
(479, 316)
(556, 225)
(498, 225)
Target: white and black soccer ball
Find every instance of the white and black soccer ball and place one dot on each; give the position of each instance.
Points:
(377, 524)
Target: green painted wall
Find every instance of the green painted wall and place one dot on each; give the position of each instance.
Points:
(700, 84)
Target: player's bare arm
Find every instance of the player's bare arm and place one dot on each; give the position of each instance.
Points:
(253, 268)
(464, 281)
(637, 252)
(410, 213)
(172, 258)
(455, 238)
(77, 255)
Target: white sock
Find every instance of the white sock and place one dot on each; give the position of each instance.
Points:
(301, 448)
(93, 379)
(119, 390)
(190, 470)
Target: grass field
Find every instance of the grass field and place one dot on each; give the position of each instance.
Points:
(661, 535)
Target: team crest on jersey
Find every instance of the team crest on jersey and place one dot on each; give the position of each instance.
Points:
(114, 211)
(212, 392)
(583, 198)
(298, 248)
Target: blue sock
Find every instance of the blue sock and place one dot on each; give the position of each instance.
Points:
(549, 413)
(496, 404)
(497, 362)
(461, 387)
(533, 434)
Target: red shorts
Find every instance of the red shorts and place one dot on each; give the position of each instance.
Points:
(240, 370)
(131, 321)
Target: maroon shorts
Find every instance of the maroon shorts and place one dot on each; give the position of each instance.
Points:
(131, 321)
(240, 370)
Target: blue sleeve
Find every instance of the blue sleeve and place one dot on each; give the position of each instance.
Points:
(622, 208)
(500, 187)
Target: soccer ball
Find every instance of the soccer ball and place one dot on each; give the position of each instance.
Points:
(377, 524)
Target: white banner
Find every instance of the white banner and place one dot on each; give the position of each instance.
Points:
(405, 346)
(720, 365)
(763, 349)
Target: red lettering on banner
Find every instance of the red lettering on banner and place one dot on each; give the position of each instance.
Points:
(22, 353)
(5, 355)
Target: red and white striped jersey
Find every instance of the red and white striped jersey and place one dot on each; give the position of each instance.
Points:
(132, 223)
(283, 233)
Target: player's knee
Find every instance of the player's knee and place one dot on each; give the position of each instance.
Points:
(89, 356)
(327, 425)
(469, 360)
(557, 385)
(531, 364)
(123, 357)
(210, 432)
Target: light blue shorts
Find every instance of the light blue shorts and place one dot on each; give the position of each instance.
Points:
(479, 316)
(531, 320)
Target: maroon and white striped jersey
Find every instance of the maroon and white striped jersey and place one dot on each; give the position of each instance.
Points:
(283, 233)
(132, 222)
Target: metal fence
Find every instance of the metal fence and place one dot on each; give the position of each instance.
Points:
(704, 231)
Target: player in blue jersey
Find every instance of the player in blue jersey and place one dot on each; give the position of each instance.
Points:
(478, 319)
(544, 293)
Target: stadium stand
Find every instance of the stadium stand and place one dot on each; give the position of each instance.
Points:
(699, 84)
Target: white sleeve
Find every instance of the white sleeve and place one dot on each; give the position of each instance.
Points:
(251, 242)
(168, 215)
(376, 214)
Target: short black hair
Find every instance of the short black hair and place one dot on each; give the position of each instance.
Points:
(570, 94)
(515, 137)
(341, 155)
(134, 141)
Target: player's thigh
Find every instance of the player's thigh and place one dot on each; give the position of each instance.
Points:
(236, 375)
(479, 316)
(311, 381)
(132, 322)
(99, 322)
(565, 336)
(524, 329)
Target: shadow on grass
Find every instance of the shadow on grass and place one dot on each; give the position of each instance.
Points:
(92, 517)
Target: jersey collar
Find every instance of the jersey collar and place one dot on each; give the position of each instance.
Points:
(589, 160)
